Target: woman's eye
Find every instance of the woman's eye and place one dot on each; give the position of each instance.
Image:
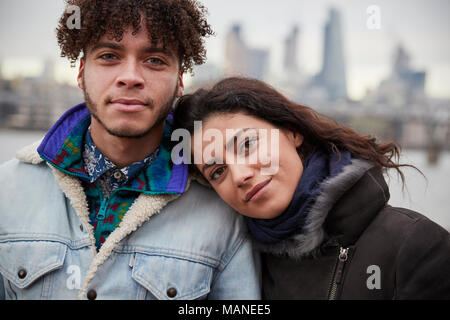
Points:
(248, 145)
(217, 173)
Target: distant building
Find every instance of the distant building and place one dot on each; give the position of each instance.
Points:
(404, 86)
(241, 60)
(333, 76)
(36, 102)
(205, 76)
(413, 81)
(257, 60)
(290, 64)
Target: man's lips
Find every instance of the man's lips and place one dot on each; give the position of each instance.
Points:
(256, 189)
(128, 105)
(128, 101)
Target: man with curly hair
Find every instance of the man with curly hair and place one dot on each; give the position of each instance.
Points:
(97, 209)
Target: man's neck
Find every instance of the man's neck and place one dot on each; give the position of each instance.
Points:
(125, 151)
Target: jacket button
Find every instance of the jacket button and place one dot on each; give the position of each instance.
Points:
(91, 295)
(22, 273)
(81, 228)
(171, 292)
(118, 175)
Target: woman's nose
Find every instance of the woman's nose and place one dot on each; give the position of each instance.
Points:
(241, 174)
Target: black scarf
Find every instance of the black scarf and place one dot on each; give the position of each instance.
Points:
(318, 166)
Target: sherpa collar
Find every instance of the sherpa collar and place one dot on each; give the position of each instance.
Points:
(334, 189)
(63, 144)
(144, 207)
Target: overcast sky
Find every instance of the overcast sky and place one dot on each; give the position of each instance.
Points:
(27, 35)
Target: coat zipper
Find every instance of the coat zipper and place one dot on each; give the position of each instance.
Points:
(102, 210)
(339, 271)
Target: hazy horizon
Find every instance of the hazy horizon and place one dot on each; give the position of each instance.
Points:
(27, 33)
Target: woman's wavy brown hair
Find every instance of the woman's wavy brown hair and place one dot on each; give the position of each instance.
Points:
(256, 98)
(177, 24)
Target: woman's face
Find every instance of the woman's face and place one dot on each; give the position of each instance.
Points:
(260, 167)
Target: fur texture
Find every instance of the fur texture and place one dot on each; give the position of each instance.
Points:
(141, 210)
(306, 243)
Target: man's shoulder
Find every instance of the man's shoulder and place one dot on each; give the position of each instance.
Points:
(204, 202)
(18, 174)
(201, 211)
(197, 223)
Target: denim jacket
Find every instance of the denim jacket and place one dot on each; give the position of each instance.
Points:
(168, 246)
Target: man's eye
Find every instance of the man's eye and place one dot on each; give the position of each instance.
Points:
(155, 61)
(217, 173)
(108, 56)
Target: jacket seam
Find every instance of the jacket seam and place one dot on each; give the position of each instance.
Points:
(379, 186)
(415, 219)
(223, 266)
(404, 242)
(32, 238)
(208, 261)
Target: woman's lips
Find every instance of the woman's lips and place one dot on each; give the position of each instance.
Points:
(128, 105)
(257, 191)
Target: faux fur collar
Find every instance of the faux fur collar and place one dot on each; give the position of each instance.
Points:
(144, 207)
(304, 244)
(29, 153)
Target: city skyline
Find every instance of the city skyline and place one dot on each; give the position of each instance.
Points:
(368, 53)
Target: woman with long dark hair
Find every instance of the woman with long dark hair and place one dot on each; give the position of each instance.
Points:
(320, 216)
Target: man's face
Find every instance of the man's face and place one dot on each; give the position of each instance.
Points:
(129, 85)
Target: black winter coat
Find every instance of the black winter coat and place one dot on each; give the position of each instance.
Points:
(356, 246)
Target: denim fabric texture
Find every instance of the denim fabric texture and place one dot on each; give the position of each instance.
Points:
(178, 240)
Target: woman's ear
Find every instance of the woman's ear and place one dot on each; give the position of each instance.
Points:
(296, 138)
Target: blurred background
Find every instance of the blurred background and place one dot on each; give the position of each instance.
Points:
(381, 67)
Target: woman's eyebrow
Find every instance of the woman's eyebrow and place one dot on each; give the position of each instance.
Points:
(230, 142)
(210, 163)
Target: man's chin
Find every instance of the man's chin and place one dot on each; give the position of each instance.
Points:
(128, 132)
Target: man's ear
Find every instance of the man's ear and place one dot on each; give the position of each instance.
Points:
(80, 74)
(180, 84)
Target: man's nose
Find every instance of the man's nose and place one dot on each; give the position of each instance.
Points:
(241, 173)
(130, 76)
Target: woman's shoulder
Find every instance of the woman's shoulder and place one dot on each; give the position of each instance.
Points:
(411, 230)
(410, 219)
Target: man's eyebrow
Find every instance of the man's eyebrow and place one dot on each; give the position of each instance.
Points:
(109, 45)
(119, 47)
(162, 50)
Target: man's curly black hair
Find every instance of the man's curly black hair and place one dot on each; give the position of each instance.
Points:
(176, 24)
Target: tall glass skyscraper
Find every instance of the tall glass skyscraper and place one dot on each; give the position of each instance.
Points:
(332, 77)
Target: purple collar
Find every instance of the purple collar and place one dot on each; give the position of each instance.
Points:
(162, 176)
